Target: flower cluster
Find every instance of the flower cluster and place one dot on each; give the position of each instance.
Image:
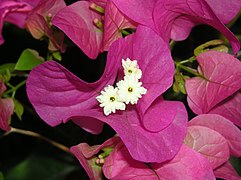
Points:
(128, 90)
(155, 137)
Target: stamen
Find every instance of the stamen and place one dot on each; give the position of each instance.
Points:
(130, 89)
(97, 8)
(112, 99)
(100, 160)
(98, 24)
(49, 18)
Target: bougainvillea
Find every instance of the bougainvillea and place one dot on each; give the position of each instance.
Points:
(15, 12)
(207, 91)
(90, 33)
(6, 109)
(129, 100)
(160, 118)
(175, 19)
(39, 23)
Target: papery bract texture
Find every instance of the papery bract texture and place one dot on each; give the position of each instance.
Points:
(137, 139)
(6, 109)
(76, 21)
(223, 78)
(199, 12)
(86, 156)
(15, 12)
(187, 164)
(39, 22)
(140, 11)
(223, 126)
(114, 22)
(209, 143)
(175, 19)
(230, 108)
(226, 171)
(154, 59)
(224, 10)
(57, 95)
(85, 34)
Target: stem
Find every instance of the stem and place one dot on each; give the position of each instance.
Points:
(14, 89)
(34, 134)
(172, 44)
(191, 59)
(187, 69)
(124, 32)
(9, 85)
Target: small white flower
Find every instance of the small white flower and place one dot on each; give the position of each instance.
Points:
(109, 100)
(131, 68)
(130, 90)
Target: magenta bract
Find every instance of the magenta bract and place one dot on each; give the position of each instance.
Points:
(175, 19)
(136, 138)
(39, 22)
(6, 109)
(187, 164)
(15, 12)
(87, 156)
(57, 96)
(85, 34)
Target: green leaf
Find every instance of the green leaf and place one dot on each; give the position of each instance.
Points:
(211, 45)
(18, 108)
(39, 167)
(5, 75)
(179, 83)
(5, 71)
(28, 60)
(57, 55)
(9, 66)
(1, 176)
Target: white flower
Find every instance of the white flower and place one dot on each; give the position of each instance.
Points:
(131, 68)
(109, 100)
(130, 90)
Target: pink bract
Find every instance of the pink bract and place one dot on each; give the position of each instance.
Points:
(87, 156)
(6, 109)
(223, 126)
(213, 131)
(77, 22)
(230, 108)
(222, 78)
(226, 171)
(175, 19)
(39, 20)
(136, 138)
(15, 12)
(187, 164)
(209, 143)
(57, 96)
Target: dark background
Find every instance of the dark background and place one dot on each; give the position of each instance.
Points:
(25, 158)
